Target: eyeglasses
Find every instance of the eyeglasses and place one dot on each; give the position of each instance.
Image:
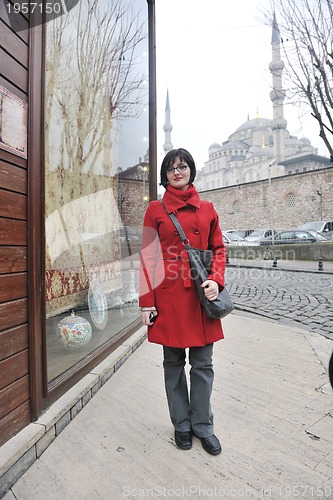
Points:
(180, 168)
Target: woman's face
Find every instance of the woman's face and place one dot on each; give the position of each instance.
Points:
(179, 179)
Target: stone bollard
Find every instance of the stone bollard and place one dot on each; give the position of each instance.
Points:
(275, 262)
(320, 264)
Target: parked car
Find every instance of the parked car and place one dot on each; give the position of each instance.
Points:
(290, 236)
(258, 234)
(241, 233)
(324, 227)
(318, 236)
(233, 239)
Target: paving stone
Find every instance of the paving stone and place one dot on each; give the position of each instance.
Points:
(303, 297)
(269, 413)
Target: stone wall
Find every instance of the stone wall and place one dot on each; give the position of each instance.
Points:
(304, 251)
(130, 201)
(290, 201)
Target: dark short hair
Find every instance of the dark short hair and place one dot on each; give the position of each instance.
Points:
(170, 158)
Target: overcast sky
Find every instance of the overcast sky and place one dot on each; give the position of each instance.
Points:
(213, 57)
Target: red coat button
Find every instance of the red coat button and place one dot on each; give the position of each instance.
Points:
(196, 231)
(175, 232)
(192, 209)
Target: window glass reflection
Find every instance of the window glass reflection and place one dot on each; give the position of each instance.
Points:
(96, 173)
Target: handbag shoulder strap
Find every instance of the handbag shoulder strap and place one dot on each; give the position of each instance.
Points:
(178, 226)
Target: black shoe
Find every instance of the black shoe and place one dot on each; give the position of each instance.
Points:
(211, 444)
(183, 439)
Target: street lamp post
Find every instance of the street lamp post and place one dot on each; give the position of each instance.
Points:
(143, 169)
(235, 214)
(270, 198)
(320, 194)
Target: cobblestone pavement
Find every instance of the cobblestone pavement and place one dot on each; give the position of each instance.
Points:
(301, 299)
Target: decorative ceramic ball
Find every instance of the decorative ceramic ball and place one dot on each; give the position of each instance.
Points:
(74, 331)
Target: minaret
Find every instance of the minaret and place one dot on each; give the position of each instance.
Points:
(167, 127)
(277, 95)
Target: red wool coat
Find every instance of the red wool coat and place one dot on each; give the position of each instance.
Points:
(165, 273)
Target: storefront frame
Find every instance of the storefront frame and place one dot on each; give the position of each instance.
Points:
(43, 394)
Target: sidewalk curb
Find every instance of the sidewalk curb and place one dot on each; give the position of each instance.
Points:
(20, 452)
(280, 320)
(266, 268)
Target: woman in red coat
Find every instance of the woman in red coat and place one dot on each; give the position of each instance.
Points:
(169, 301)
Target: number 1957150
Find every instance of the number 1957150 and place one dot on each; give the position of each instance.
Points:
(31, 7)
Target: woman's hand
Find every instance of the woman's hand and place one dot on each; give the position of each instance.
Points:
(211, 289)
(145, 317)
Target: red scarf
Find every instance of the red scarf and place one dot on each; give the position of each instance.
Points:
(181, 198)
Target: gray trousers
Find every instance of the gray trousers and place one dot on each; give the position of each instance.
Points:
(190, 411)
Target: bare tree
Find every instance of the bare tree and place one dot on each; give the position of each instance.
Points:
(92, 83)
(306, 28)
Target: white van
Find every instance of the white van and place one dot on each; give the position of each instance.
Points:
(324, 227)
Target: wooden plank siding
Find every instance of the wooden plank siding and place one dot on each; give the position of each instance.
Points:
(13, 232)
(13, 286)
(13, 340)
(14, 333)
(17, 48)
(23, 34)
(13, 71)
(13, 395)
(13, 205)
(13, 368)
(14, 421)
(13, 313)
(13, 177)
(13, 259)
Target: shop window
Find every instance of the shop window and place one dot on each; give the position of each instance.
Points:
(96, 173)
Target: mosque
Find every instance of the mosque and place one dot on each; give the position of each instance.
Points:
(260, 148)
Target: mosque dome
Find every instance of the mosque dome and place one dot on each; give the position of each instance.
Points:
(231, 145)
(214, 146)
(305, 141)
(255, 123)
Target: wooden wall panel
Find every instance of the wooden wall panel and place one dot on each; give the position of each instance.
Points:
(13, 205)
(23, 34)
(13, 340)
(5, 83)
(13, 259)
(10, 157)
(13, 71)
(13, 232)
(13, 45)
(14, 422)
(13, 286)
(15, 403)
(13, 177)
(13, 313)
(14, 368)
(14, 395)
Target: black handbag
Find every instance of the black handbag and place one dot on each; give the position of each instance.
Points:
(200, 263)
